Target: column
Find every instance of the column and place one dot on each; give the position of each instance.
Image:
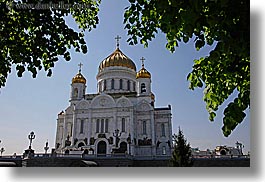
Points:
(74, 127)
(153, 133)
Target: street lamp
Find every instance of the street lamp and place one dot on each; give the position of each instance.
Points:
(2, 150)
(116, 134)
(46, 148)
(31, 137)
(129, 142)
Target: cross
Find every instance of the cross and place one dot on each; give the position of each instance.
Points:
(80, 66)
(118, 39)
(142, 59)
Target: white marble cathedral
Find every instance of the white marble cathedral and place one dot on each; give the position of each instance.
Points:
(121, 118)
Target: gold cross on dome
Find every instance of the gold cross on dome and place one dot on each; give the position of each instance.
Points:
(142, 59)
(118, 39)
(80, 66)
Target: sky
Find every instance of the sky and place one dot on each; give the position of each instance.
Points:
(28, 104)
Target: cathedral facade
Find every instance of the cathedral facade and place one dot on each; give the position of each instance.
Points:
(121, 118)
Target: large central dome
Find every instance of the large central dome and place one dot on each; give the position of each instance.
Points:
(117, 58)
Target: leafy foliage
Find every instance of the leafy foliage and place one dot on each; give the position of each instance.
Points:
(181, 156)
(32, 37)
(226, 69)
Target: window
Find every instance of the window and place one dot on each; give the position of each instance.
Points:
(144, 127)
(163, 132)
(128, 85)
(121, 83)
(105, 84)
(82, 126)
(102, 126)
(123, 125)
(106, 125)
(134, 86)
(75, 92)
(143, 89)
(164, 150)
(97, 126)
(99, 86)
(112, 83)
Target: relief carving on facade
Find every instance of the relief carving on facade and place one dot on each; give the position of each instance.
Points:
(92, 141)
(110, 139)
(145, 141)
(103, 102)
(101, 135)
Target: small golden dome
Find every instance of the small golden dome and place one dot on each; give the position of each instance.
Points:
(79, 78)
(143, 73)
(152, 96)
(117, 58)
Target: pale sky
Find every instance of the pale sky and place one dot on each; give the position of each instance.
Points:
(28, 104)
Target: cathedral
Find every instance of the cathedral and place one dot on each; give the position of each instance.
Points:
(120, 119)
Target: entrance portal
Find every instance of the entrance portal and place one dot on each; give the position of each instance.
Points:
(102, 147)
(123, 147)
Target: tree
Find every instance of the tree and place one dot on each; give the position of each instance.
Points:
(34, 33)
(227, 67)
(181, 156)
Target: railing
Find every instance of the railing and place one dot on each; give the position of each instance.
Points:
(90, 156)
(214, 156)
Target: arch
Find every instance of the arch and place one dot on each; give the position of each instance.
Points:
(81, 144)
(123, 147)
(83, 104)
(85, 151)
(223, 152)
(143, 105)
(102, 148)
(123, 102)
(103, 100)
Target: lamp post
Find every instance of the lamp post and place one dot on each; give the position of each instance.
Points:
(116, 134)
(129, 140)
(2, 150)
(31, 137)
(46, 148)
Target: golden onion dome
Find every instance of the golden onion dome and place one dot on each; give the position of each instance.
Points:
(117, 58)
(143, 73)
(79, 78)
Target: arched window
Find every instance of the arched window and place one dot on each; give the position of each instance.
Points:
(144, 127)
(121, 83)
(128, 85)
(106, 125)
(82, 126)
(102, 126)
(99, 86)
(97, 126)
(143, 89)
(134, 85)
(105, 84)
(112, 83)
(163, 132)
(123, 125)
(75, 92)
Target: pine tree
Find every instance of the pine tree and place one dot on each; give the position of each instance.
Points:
(181, 156)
